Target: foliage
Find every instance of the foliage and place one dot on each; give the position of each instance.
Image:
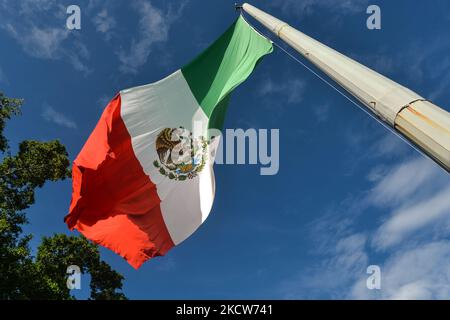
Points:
(44, 276)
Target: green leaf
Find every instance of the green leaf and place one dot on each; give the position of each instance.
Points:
(43, 277)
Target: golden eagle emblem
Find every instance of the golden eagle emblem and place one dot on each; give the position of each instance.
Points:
(180, 157)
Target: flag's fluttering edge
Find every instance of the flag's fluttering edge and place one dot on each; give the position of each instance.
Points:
(141, 183)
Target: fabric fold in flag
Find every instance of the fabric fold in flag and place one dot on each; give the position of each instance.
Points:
(143, 183)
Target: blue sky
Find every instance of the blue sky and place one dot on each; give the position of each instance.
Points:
(348, 194)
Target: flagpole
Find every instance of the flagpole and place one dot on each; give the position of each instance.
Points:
(423, 123)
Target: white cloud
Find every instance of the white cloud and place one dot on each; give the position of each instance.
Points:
(104, 22)
(321, 112)
(377, 173)
(389, 145)
(442, 86)
(307, 7)
(51, 115)
(380, 61)
(154, 26)
(291, 90)
(347, 259)
(39, 28)
(42, 43)
(167, 263)
(402, 181)
(411, 228)
(370, 142)
(413, 218)
(103, 101)
(417, 192)
(422, 272)
(422, 61)
(414, 65)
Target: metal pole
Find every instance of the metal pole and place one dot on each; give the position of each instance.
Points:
(424, 124)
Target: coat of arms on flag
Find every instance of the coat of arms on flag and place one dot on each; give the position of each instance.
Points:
(180, 155)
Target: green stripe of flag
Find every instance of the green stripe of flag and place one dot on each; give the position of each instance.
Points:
(224, 65)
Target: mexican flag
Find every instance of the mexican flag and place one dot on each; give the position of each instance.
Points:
(143, 182)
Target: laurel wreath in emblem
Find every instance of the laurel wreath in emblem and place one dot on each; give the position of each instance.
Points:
(180, 156)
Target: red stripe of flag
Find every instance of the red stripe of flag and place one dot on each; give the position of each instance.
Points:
(114, 203)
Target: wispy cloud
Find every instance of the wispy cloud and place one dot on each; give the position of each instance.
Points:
(42, 43)
(412, 202)
(418, 194)
(414, 64)
(347, 258)
(166, 263)
(415, 217)
(291, 90)
(103, 101)
(420, 272)
(321, 112)
(389, 145)
(380, 61)
(39, 28)
(51, 115)
(403, 181)
(307, 7)
(443, 86)
(154, 26)
(104, 23)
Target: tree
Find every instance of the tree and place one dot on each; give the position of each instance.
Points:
(43, 276)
